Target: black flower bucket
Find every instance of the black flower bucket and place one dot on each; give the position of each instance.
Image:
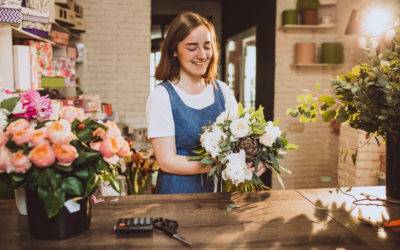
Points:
(62, 225)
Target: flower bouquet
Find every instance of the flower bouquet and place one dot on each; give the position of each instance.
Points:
(236, 138)
(61, 156)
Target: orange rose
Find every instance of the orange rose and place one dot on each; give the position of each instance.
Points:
(42, 156)
(65, 153)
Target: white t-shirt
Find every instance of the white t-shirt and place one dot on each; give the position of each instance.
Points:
(159, 118)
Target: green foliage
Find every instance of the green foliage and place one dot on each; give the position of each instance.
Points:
(367, 97)
(10, 103)
(307, 5)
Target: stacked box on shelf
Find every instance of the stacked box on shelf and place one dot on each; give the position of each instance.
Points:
(63, 16)
(22, 67)
(36, 21)
(59, 37)
(64, 67)
(69, 4)
(10, 12)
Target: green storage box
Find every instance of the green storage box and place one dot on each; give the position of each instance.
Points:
(332, 53)
(289, 17)
(53, 82)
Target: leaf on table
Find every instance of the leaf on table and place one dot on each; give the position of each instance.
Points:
(392, 223)
(349, 189)
(231, 206)
(321, 208)
(325, 178)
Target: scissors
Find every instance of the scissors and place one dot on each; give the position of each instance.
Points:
(169, 227)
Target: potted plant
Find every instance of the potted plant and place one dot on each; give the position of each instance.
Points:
(308, 10)
(367, 98)
(60, 158)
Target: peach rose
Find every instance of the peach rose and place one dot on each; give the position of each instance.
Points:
(113, 129)
(3, 138)
(60, 132)
(99, 132)
(70, 113)
(22, 136)
(42, 156)
(17, 125)
(65, 153)
(5, 160)
(39, 137)
(125, 150)
(109, 147)
(95, 145)
(21, 162)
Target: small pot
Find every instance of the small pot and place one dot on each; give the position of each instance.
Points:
(309, 17)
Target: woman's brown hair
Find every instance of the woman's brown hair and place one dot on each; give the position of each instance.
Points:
(179, 29)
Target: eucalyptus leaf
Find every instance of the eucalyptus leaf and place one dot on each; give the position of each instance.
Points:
(231, 206)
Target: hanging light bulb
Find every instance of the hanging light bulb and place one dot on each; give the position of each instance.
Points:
(376, 21)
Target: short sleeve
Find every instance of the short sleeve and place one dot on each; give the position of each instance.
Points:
(159, 118)
(230, 101)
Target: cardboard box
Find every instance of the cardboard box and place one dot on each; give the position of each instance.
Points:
(77, 103)
(64, 16)
(71, 52)
(65, 3)
(78, 9)
(79, 25)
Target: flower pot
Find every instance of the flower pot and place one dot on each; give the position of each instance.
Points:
(332, 53)
(289, 17)
(62, 225)
(309, 17)
(305, 53)
(393, 166)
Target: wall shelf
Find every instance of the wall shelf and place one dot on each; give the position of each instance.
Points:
(327, 2)
(287, 27)
(316, 65)
(21, 34)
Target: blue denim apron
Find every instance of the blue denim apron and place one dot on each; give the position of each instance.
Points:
(188, 127)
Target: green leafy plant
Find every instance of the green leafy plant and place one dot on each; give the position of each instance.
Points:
(367, 97)
(307, 5)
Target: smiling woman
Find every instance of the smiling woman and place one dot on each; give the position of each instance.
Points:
(188, 98)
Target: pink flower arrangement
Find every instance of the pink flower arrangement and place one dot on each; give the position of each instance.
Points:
(64, 158)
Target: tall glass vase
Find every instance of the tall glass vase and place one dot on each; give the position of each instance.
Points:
(62, 225)
(393, 166)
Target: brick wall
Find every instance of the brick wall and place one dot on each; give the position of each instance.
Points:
(117, 48)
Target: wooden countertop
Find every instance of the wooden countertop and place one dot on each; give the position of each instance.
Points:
(270, 219)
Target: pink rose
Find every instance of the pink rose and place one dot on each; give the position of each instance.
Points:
(3, 138)
(65, 153)
(109, 147)
(39, 137)
(42, 156)
(60, 132)
(17, 125)
(22, 136)
(21, 162)
(125, 150)
(70, 113)
(5, 160)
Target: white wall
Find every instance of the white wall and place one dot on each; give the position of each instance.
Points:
(117, 48)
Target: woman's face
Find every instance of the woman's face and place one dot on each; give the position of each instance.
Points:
(194, 52)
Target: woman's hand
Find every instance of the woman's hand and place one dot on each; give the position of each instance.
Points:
(260, 169)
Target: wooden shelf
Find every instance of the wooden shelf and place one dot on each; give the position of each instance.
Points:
(18, 33)
(287, 27)
(327, 2)
(316, 65)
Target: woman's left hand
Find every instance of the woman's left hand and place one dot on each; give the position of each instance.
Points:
(260, 169)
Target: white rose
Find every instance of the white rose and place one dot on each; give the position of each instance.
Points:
(210, 140)
(236, 169)
(3, 121)
(239, 127)
(271, 133)
(229, 114)
(18, 109)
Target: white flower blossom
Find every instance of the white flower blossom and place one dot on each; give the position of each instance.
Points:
(271, 133)
(3, 121)
(236, 169)
(240, 127)
(210, 141)
(229, 114)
